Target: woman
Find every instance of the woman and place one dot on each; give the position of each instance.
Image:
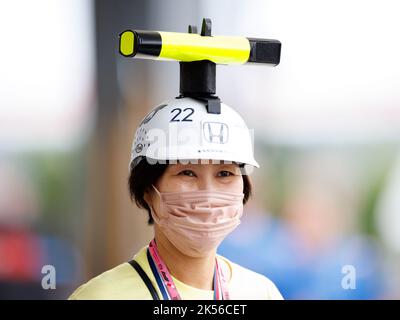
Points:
(189, 171)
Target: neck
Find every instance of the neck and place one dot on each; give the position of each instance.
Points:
(195, 272)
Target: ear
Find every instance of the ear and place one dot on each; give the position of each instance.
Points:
(148, 197)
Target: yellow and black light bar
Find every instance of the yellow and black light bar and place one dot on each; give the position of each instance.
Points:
(198, 55)
(189, 47)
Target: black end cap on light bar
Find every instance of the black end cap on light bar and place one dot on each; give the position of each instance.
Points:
(149, 42)
(265, 51)
(144, 42)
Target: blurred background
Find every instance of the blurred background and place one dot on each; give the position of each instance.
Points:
(327, 137)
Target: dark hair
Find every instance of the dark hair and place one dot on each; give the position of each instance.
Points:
(144, 175)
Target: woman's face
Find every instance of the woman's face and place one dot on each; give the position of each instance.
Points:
(194, 177)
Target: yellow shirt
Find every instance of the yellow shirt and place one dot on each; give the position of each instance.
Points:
(123, 282)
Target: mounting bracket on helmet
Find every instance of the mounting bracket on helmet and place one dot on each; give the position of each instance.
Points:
(198, 78)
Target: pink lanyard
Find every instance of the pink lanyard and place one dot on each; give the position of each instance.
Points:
(220, 280)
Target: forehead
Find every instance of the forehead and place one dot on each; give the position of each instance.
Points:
(203, 165)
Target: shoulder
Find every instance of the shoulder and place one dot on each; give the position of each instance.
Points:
(121, 282)
(108, 284)
(249, 285)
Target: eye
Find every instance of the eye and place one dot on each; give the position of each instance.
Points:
(188, 173)
(225, 173)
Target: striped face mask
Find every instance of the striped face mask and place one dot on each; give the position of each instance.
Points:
(196, 222)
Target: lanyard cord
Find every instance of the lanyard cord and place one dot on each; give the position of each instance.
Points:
(166, 284)
(160, 283)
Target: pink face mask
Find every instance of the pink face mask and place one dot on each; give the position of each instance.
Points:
(196, 222)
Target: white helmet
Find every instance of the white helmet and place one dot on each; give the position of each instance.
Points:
(182, 129)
